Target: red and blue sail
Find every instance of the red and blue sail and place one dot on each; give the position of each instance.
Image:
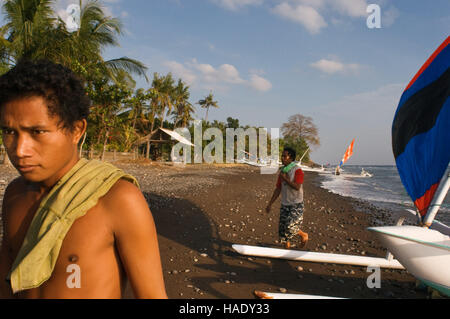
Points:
(421, 129)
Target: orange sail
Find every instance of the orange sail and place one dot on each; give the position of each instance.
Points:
(348, 153)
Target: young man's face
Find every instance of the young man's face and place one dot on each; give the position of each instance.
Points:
(285, 158)
(36, 144)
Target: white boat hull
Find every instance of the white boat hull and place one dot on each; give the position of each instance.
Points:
(312, 169)
(424, 252)
(275, 295)
(299, 255)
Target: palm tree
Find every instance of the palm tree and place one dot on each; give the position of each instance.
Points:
(161, 103)
(207, 102)
(34, 33)
(138, 106)
(5, 49)
(183, 108)
(163, 88)
(27, 21)
(86, 44)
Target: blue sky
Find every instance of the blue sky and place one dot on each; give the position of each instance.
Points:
(265, 60)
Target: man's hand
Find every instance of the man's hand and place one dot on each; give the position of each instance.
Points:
(275, 195)
(293, 184)
(284, 176)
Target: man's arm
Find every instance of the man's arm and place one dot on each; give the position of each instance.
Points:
(136, 239)
(275, 195)
(298, 179)
(5, 265)
(5, 252)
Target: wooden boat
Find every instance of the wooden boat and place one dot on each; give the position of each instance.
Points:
(420, 141)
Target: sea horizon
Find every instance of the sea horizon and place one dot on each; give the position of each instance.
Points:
(384, 189)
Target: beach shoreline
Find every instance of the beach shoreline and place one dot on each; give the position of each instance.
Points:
(201, 210)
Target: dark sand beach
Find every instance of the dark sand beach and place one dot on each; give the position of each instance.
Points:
(201, 210)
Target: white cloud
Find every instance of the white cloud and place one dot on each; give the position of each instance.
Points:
(229, 74)
(315, 15)
(107, 6)
(389, 16)
(181, 71)
(225, 73)
(317, 4)
(334, 66)
(352, 8)
(235, 5)
(259, 83)
(207, 76)
(308, 16)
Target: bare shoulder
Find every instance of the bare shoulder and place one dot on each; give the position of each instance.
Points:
(125, 202)
(123, 193)
(17, 185)
(13, 192)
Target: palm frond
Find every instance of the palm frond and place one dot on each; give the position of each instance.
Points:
(127, 64)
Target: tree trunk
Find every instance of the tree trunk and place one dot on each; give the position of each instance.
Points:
(147, 151)
(162, 119)
(104, 145)
(101, 130)
(206, 117)
(99, 136)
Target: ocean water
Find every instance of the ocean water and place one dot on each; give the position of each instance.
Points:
(384, 189)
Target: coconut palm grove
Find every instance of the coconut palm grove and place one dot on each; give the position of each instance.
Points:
(122, 117)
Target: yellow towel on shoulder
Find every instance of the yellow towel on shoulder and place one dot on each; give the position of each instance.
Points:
(74, 194)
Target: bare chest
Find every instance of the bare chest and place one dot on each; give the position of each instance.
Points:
(87, 249)
(87, 234)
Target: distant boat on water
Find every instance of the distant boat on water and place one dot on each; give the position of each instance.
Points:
(348, 153)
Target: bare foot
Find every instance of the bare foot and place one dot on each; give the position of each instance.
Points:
(304, 238)
(261, 295)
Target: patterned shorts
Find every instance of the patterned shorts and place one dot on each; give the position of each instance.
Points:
(291, 218)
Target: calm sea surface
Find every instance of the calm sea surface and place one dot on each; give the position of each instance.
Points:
(384, 189)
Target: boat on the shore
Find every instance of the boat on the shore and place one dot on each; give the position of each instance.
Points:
(275, 295)
(312, 169)
(253, 160)
(420, 145)
(420, 140)
(299, 255)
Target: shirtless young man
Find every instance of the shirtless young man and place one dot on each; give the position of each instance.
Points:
(43, 111)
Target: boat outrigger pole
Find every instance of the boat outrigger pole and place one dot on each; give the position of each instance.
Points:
(300, 161)
(438, 198)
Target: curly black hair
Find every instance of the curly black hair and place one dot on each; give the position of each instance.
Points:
(291, 152)
(58, 85)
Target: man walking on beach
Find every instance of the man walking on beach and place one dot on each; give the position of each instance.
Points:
(73, 228)
(290, 186)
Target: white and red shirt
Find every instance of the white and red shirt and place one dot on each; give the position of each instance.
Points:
(289, 195)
